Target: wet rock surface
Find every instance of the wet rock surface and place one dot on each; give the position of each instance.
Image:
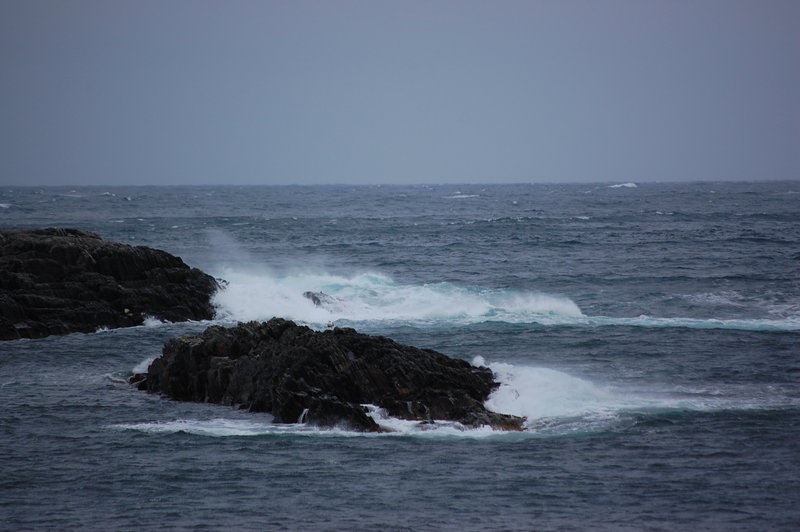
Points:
(323, 378)
(59, 281)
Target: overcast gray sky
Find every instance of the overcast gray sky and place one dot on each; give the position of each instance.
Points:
(437, 91)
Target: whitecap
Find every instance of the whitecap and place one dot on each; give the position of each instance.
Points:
(152, 321)
(236, 427)
(624, 185)
(543, 394)
(264, 426)
(369, 298)
(218, 427)
(373, 297)
(436, 428)
(755, 324)
(554, 402)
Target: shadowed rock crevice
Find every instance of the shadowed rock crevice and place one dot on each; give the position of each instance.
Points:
(323, 378)
(59, 281)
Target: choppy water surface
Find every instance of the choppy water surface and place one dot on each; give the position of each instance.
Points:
(650, 334)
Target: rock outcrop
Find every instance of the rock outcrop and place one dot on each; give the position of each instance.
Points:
(323, 300)
(59, 281)
(323, 378)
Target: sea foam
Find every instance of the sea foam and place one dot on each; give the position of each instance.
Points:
(554, 402)
(375, 298)
(218, 427)
(370, 297)
(788, 324)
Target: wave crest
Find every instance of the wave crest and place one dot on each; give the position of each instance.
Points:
(375, 297)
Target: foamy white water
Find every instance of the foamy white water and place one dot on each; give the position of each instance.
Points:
(538, 393)
(786, 324)
(556, 402)
(218, 427)
(375, 297)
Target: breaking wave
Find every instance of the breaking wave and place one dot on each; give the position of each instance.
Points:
(555, 402)
(373, 297)
(319, 299)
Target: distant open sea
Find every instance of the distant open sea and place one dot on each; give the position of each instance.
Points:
(650, 334)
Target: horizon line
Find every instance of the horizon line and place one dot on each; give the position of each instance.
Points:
(416, 184)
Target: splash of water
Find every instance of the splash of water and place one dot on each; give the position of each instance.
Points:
(372, 297)
(376, 297)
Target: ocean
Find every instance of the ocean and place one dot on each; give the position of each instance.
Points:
(649, 332)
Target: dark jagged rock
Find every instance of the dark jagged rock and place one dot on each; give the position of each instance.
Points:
(300, 375)
(59, 281)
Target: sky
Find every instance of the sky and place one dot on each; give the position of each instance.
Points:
(132, 92)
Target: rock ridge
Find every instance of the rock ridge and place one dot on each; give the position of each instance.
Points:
(60, 281)
(322, 378)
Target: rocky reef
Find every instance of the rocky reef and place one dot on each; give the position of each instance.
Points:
(59, 281)
(323, 378)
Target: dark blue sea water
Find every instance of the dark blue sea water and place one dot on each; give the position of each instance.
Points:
(650, 334)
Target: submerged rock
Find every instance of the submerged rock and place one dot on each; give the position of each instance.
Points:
(318, 298)
(323, 378)
(59, 281)
(323, 300)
